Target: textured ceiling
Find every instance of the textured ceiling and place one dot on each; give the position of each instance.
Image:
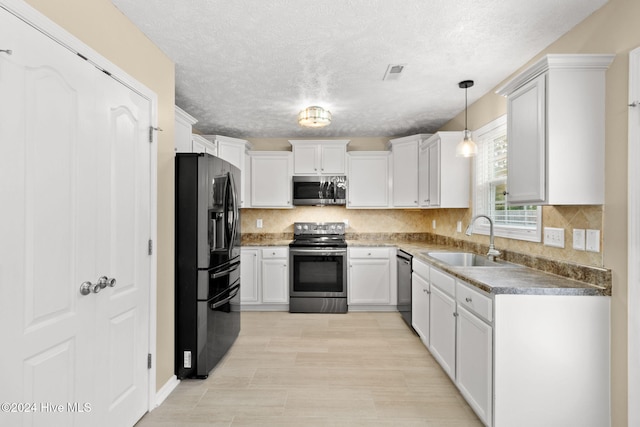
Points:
(245, 68)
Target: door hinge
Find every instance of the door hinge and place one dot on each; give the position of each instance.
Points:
(151, 129)
(150, 247)
(149, 361)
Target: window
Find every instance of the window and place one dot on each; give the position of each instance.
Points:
(490, 184)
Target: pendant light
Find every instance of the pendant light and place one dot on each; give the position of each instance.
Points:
(466, 147)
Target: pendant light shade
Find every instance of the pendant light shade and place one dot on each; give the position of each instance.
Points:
(314, 117)
(466, 147)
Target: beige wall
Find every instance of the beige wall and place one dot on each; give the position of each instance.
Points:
(101, 26)
(612, 29)
(355, 143)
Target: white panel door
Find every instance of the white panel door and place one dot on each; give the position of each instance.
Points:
(60, 183)
(123, 231)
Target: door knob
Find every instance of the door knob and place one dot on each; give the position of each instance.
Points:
(87, 287)
(105, 281)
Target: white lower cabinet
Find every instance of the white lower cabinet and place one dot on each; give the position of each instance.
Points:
(249, 277)
(442, 330)
(519, 360)
(275, 275)
(264, 278)
(420, 295)
(372, 279)
(474, 360)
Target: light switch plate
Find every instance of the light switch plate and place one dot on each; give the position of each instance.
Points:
(578, 239)
(554, 237)
(593, 240)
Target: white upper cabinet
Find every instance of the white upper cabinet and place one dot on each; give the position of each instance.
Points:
(235, 151)
(368, 179)
(182, 132)
(405, 170)
(271, 173)
(555, 128)
(199, 144)
(444, 179)
(319, 157)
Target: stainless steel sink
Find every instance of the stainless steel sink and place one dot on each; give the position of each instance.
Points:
(467, 259)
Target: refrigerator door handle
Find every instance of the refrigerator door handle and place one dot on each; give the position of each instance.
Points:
(227, 271)
(227, 299)
(236, 211)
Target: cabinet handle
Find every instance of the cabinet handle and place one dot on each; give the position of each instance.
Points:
(504, 193)
(467, 299)
(415, 201)
(369, 254)
(428, 292)
(455, 314)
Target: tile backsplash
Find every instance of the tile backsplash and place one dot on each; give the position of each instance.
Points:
(416, 220)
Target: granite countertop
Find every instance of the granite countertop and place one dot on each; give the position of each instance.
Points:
(522, 274)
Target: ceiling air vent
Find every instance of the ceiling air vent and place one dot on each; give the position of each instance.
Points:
(394, 71)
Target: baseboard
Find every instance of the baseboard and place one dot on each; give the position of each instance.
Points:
(373, 307)
(166, 390)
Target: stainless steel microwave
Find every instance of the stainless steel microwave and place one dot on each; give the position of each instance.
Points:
(319, 190)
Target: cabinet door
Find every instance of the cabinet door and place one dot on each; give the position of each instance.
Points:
(368, 181)
(434, 174)
(526, 176)
(271, 180)
(232, 152)
(442, 330)
(405, 175)
(275, 280)
(369, 281)
(201, 145)
(332, 159)
(474, 359)
(249, 276)
(306, 159)
(420, 307)
(423, 177)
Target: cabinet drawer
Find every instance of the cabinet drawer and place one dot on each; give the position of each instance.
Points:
(474, 300)
(421, 269)
(275, 253)
(445, 282)
(369, 252)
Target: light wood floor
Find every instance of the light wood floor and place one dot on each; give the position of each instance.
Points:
(355, 369)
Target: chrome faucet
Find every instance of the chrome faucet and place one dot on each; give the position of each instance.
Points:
(493, 253)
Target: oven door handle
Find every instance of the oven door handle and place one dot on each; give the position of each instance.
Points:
(316, 251)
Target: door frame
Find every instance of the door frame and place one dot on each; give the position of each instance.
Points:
(633, 249)
(43, 24)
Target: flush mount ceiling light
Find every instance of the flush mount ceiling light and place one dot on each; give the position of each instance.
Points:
(314, 117)
(466, 147)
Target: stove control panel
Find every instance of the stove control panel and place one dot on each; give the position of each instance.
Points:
(311, 228)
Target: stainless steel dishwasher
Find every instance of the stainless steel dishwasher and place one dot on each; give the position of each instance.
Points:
(404, 285)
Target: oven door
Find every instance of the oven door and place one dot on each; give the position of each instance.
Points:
(318, 272)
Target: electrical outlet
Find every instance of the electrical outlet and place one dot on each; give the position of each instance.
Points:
(459, 227)
(258, 223)
(578, 239)
(554, 237)
(433, 224)
(346, 223)
(593, 240)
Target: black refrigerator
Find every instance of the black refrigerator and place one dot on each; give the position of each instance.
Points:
(207, 262)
